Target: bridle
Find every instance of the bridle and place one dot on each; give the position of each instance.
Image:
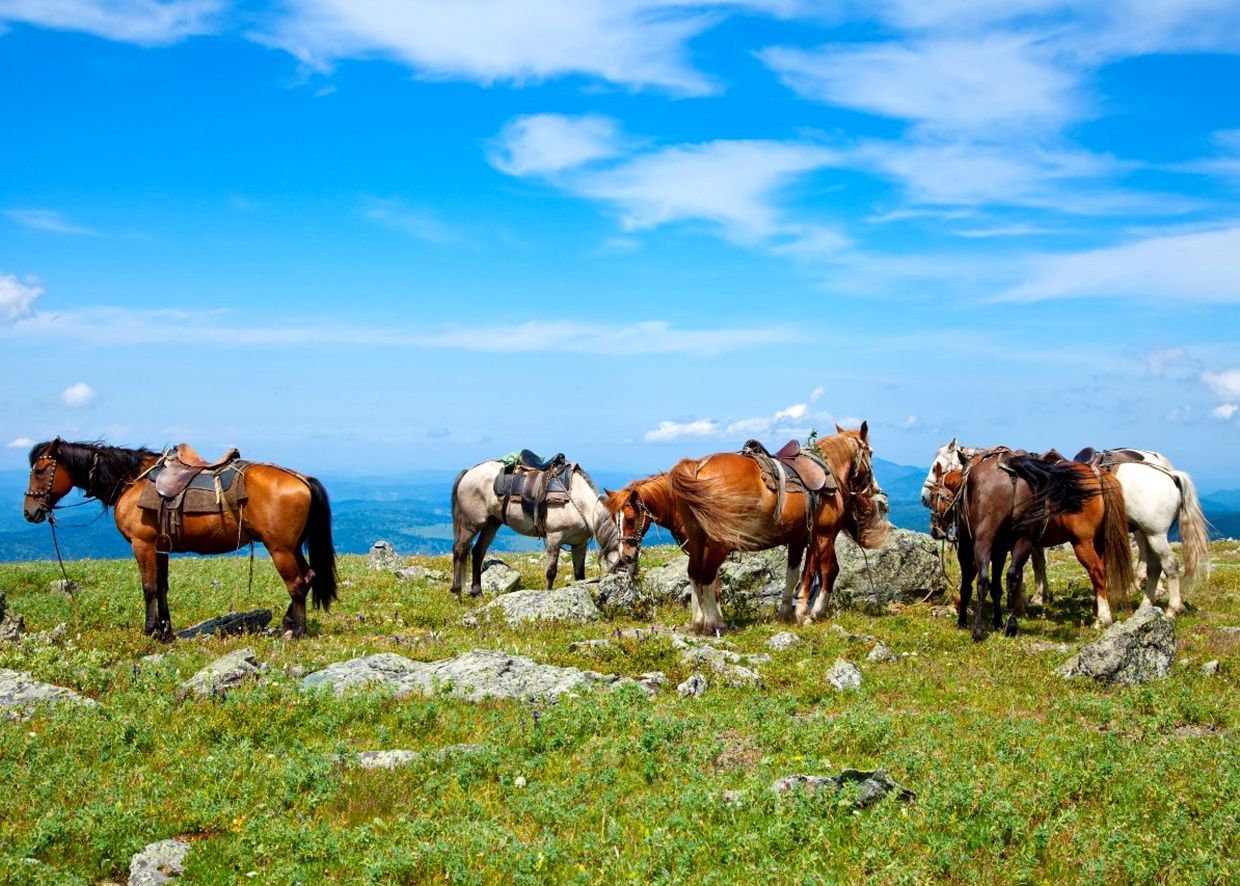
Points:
(944, 519)
(46, 494)
(641, 524)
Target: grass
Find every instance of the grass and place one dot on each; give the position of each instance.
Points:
(1020, 776)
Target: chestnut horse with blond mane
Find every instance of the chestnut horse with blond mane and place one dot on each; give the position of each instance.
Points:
(719, 504)
(283, 511)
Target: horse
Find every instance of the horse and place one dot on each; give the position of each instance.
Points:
(284, 510)
(1004, 502)
(478, 512)
(1155, 496)
(638, 506)
(719, 504)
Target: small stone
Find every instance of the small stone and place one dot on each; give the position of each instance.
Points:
(158, 863)
(64, 586)
(216, 583)
(783, 640)
(733, 798)
(872, 786)
(382, 557)
(12, 626)
(385, 759)
(296, 672)
(694, 687)
(652, 682)
(54, 636)
(881, 653)
(1210, 668)
(499, 578)
(20, 693)
(588, 645)
(844, 676)
(1134, 651)
(154, 658)
(223, 674)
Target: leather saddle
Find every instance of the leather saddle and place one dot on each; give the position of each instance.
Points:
(1107, 458)
(184, 464)
(792, 468)
(534, 482)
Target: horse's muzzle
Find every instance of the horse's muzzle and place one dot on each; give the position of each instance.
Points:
(38, 515)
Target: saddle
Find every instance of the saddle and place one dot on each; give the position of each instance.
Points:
(1107, 458)
(802, 471)
(182, 482)
(536, 483)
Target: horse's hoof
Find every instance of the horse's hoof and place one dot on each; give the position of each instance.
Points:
(289, 634)
(475, 592)
(787, 616)
(1011, 629)
(979, 636)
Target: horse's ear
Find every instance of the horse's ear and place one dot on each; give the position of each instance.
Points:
(865, 431)
(53, 448)
(953, 445)
(838, 429)
(607, 492)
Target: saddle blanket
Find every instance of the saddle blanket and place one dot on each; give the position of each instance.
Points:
(211, 492)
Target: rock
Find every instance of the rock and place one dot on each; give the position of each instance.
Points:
(158, 863)
(652, 682)
(1034, 646)
(12, 626)
(572, 604)
(881, 653)
(871, 786)
(499, 578)
(733, 665)
(844, 676)
(54, 636)
(229, 625)
(734, 798)
(783, 640)
(906, 569)
(223, 674)
(216, 583)
(1134, 651)
(617, 591)
(64, 586)
(472, 675)
(20, 693)
(588, 645)
(694, 687)
(418, 573)
(154, 658)
(382, 557)
(385, 759)
(1210, 668)
(668, 583)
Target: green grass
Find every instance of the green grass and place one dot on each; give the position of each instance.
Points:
(1020, 776)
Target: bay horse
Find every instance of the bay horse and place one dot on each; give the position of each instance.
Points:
(477, 512)
(720, 504)
(1002, 502)
(284, 511)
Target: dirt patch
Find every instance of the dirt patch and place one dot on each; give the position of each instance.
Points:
(738, 752)
(1196, 730)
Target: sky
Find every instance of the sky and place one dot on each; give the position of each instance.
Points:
(356, 236)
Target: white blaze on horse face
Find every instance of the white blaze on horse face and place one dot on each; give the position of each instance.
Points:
(948, 459)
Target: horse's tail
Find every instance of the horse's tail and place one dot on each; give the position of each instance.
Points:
(1194, 530)
(456, 504)
(1116, 556)
(322, 551)
(722, 514)
(1058, 489)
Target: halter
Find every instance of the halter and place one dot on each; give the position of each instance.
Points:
(46, 494)
(944, 521)
(641, 524)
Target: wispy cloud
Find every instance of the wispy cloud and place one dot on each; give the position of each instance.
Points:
(19, 443)
(48, 220)
(17, 298)
(545, 144)
(145, 22)
(667, 431)
(419, 224)
(78, 395)
(1225, 384)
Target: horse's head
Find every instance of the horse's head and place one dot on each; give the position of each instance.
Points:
(948, 458)
(633, 520)
(866, 504)
(50, 481)
(944, 494)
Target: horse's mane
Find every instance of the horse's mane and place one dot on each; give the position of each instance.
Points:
(870, 529)
(837, 449)
(1058, 488)
(103, 471)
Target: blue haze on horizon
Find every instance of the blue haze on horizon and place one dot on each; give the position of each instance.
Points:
(346, 238)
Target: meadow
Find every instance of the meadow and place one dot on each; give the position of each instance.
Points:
(1020, 776)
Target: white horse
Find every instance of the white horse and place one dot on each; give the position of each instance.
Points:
(477, 511)
(1155, 495)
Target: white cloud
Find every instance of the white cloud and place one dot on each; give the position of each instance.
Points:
(544, 144)
(416, 223)
(816, 394)
(1224, 411)
(634, 43)
(671, 430)
(793, 412)
(19, 443)
(48, 220)
(909, 423)
(80, 394)
(17, 298)
(1225, 384)
(145, 22)
(1196, 266)
(1159, 360)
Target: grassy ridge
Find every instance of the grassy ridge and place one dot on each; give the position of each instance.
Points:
(1020, 776)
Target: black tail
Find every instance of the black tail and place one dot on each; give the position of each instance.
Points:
(1058, 488)
(318, 540)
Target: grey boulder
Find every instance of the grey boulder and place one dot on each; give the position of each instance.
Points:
(158, 863)
(225, 673)
(844, 676)
(571, 604)
(906, 569)
(382, 557)
(20, 693)
(871, 786)
(499, 578)
(1134, 651)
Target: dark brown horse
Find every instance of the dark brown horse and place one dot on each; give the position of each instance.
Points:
(720, 503)
(1004, 503)
(284, 510)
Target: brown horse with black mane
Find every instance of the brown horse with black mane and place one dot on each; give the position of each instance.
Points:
(1003, 502)
(283, 510)
(721, 503)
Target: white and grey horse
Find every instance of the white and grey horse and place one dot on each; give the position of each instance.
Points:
(1155, 496)
(478, 511)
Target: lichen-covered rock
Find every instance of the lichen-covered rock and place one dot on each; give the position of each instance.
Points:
(571, 604)
(12, 626)
(20, 693)
(1137, 650)
(231, 624)
(225, 673)
(844, 676)
(418, 573)
(904, 570)
(499, 578)
(159, 863)
(871, 786)
(473, 676)
(694, 687)
(735, 666)
(619, 592)
(668, 583)
(783, 640)
(382, 557)
(64, 586)
(882, 653)
(391, 759)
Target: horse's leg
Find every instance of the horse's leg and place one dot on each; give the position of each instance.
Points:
(144, 553)
(811, 571)
(795, 552)
(1149, 567)
(704, 573)
(1169, 566)
(996, 589)
(463, 537)
(982, 559)
(1015, 581)
(163, 629)
(486, 535)
(579, 559)
(295, 572)
(828, 569)
(1041, 590)
(968, 572)
(1088, 556)
(552, 564)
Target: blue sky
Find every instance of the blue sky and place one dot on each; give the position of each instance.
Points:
(348, 235)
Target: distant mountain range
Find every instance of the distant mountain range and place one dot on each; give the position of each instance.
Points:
(412, 511)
